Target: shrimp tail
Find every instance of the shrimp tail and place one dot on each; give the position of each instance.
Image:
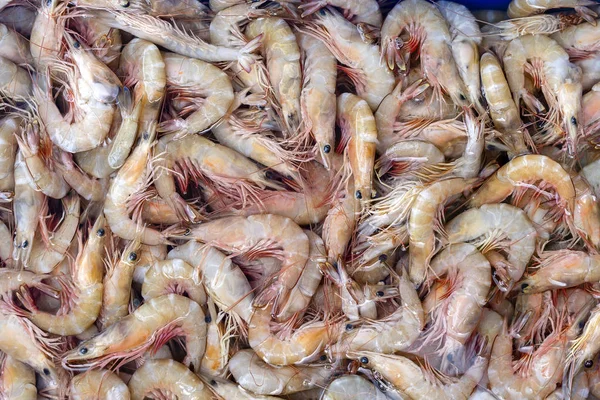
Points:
(586, 13)
(246, 59)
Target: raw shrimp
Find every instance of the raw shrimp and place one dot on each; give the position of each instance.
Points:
(358, 12)
(9, 126)
(466, 37)
(18, 379)
(105, 42)
(256, 376)
(47, 254)
(87, 187)
(117, 284)
(11, 280)
(187, 78)
(524, 8)
(14, 47)
(580, 41)
(142, 63)
(230, 390)
(340, 223)
(411, 378)
(559, 79)
(430, 37)
(495, 222)
(15, 82)
(423, 220)
(360, 130)
(224, 281)
(280, 48)
(47, 32)
(173, 276)
(317, 100)
(352, 387)
(83, 296)
(393, 333)
(167, 376)
(372, 80)
(148, 255)
(98, 384)
(586, 216)
(216, 356)
(468, 166)
(122, 142)
(148, 327)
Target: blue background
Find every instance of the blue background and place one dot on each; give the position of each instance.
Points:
(484, 4)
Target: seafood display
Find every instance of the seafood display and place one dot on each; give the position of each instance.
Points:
(299, 199)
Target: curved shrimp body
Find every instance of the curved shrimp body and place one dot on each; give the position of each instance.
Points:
(522, 170)
(357, 122)
(14, 47)
(15, 82)
(46, 35)
(98, 384)
(9, 126)
(281, 50)
(169, 376)
(340, 223)
(318, 99)
(12, 280)
(559, 79)
(230, 390)
(186, 77)
(86, 289)
(306, 342)
(359, 12)
(422, 221)
(461, 311)
(542, 374)
(372, 80)
(429, 30)
(395, 332)
(117, 285)
(258, 377)
(155, 321)
(86, 187)
(562, 269)
(144, 66)
(173, 276)
(411, 379)
(524, 8)
(352, 387)
(579, 41)
(18, 379)
(105, 42)
(502, 220)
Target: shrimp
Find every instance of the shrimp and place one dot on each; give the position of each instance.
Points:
(14, 47)
(524, 8)
(469, 275)
(187, 77)
(122, 142)
(502, 108)
(173, 276)
(230, 390)
(87, 187)
(429, 35)
(117, 285)
(559, 79)
(148, 255)
(216, 357)
(394, 333)
(105, 42)
(47, 33)
(339, 225)
(46, 255)
(12, 280)
(40, 166)
(280, 48)
(587, 211)
(142, 62)
(18, 379)
(83, 294)
(372, 80)
(537, 379)
(359, 13)
(358, 126)
(496, 222)
(466, 37)
(27, 205)
(98, 384)
(298, 347)
(173, 38)
(412, 380)
(422, 223)
(148, 327)
(579, 41)
(224, 281)
(258, 377)
(167, 376)
(317, 100)
(15, 82)
(9, 126)
(130, 180)
(352, 387)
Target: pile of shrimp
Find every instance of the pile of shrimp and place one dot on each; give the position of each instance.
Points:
(299, 199)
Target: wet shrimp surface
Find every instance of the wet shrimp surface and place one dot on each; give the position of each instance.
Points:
(307, 199)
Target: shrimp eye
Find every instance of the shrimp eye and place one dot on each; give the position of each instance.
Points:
(358, 194)
(125, 3)
(46, 371)
(323, 357)
(574, 121)
(524, 286)
(379, 293)
(145, 135)
(187, 232)
(137, 303)
(48, 2)
(25, 244)
(326, 149)
(213, 382)
(132, 256)
(77, 45)
(462, 97)
(322, 12)
(100, 232)
(83, 350)
(349, 327)
(207, 319)
(588, 363)
(364, 360)
(581, 325)
(383, 258)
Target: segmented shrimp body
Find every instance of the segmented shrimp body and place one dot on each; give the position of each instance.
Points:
(173, 276)
(9, 126)
(14, 47)
(18, 379)
(100, 384)
(15, 82)
(352, 387)
(524, 8)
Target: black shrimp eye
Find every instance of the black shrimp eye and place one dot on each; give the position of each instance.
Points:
(349, 327)
(100, 232)
(574, 121)
(322, 12)
(581, 324)
(323, 357)
(588, 363)
(207, 319)
(364, 360)
(46, 371)
(358, 194)
(326, 149)
(145, 136)
(77, 45)
(383, 258)
(25, 244)
(380, 293)
(48, 2)
(462, 97)
(213, 382)
(132, 256)
(125, 3)
(83, 350)
(187, 232)
(524, 286)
